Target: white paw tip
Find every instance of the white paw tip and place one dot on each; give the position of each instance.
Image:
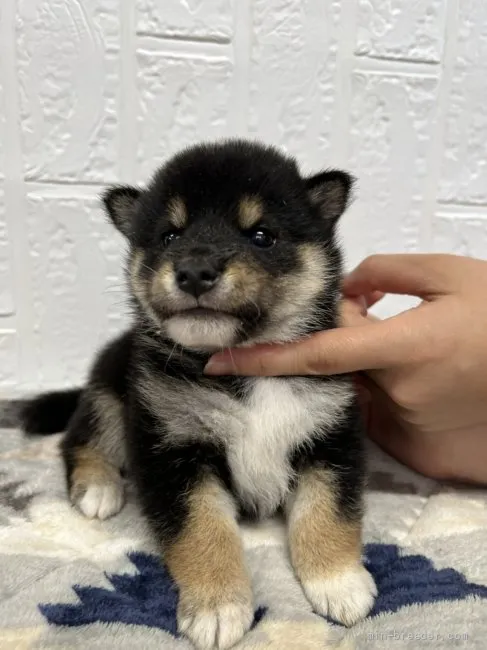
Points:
(347, 597)
(102, 501)
(218, 629)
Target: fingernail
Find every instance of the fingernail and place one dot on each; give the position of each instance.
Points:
(219, 364)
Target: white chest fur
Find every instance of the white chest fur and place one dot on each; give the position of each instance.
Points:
(258, 432)
(277, 416)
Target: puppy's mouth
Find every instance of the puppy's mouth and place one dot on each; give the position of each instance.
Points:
(203, 328)
(204, 312)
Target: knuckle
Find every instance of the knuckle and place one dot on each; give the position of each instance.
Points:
(316, 366)
(372, 262)
(320, 362)
(311, 356)
(263, 365)
(446, 269)
(351, 313)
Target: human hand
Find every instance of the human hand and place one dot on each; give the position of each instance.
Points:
(426, 367)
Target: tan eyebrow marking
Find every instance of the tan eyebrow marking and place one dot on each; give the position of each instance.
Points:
(177, 213)
(250, 212)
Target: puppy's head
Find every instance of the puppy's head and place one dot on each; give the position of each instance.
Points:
(230, 244)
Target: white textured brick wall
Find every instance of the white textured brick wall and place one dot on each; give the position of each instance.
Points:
(96, 91)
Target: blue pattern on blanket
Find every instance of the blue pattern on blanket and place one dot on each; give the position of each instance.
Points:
(150, 598)
(146, 598)
(412, 579)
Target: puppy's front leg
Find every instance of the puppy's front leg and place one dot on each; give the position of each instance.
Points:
(94, 454)
(194, 519)
(325, 546)
(207, 563)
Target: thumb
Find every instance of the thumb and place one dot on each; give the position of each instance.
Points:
(421, 275)
(372, 346)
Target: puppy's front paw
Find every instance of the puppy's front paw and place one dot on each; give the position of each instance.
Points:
(96, 486)
(219, 627)
(346, 597)
(101, 500)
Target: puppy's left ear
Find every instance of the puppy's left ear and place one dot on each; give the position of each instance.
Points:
(121, 203)
(331, 192)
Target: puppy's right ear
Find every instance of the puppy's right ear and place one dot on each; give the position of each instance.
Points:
(121, 204)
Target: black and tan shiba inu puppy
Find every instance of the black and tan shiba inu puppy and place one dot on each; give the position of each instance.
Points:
(229, 245)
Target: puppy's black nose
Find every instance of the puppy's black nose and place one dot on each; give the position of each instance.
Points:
(196, 277)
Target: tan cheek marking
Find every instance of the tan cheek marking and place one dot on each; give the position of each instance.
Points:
(322, 543)
(297, 290)
(90, 467)
(314, 270)
(139, 286)
(206, 560)
(135, 281)
(163, 280)
(177, 213)
(250, 212)
(246, 281)
(294, 294)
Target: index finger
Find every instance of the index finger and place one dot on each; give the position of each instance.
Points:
(371, 346)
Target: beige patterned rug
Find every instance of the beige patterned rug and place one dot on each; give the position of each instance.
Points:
(66, 582)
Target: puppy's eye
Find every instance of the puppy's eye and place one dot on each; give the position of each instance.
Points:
(169, 237)
(262, 238)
